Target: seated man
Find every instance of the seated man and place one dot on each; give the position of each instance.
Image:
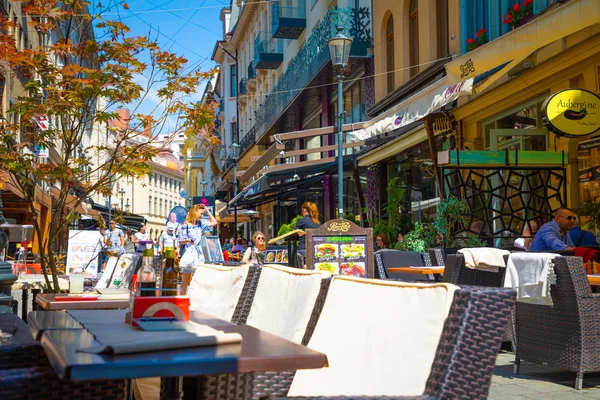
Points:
(554, 235)
(581, 237)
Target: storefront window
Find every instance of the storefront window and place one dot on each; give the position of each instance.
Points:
(354, 105)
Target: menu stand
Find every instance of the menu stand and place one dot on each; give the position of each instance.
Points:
(291, 238)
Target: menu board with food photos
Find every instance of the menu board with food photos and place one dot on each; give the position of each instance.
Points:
(82, 252)
(340, 247)
(276, 255)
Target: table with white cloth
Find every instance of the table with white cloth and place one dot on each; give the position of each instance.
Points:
(35, 283)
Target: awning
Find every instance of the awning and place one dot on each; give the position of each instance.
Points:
(416, 107)
(242, 216)
(282, 190)
(255, 186)
(263, 160)
(71, 202)
(516, 45)
(394, 147)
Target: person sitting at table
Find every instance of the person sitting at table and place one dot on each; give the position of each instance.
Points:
(239, 247)
(400, 239)
(581, 237)
(554, 235)
(259, 241)
(382, 242)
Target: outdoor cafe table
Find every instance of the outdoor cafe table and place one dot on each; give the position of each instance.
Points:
(35, 283)
(418, 270)
(259, 351)
(46, 302)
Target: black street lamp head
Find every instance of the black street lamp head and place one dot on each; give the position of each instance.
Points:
(204, 184)
(339, 48)
(235, 150)
(121, 193)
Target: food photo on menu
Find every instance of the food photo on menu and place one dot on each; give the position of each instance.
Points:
(326, 251)
(284, 256)
(351, 268)
(270, 256)
(332, 267)
(353, 250)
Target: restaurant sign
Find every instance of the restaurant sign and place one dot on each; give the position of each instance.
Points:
(340, 247)
(572, 113)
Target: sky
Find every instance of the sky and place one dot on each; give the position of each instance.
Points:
(187, 27)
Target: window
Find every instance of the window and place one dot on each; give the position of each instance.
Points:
(413, 34)
(233, 82)
(442, 26)
(234, 132)
(155, 206)
(389, 45)
(160, 210)
(475, 15)
(150, 205)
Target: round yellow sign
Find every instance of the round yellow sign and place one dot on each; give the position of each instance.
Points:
(572, 113)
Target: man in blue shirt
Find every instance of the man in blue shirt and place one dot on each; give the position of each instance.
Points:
(581, 237)
(554, 235)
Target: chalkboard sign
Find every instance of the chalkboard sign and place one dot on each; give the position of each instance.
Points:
(340, 247)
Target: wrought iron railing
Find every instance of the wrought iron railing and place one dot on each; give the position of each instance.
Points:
(248, 140)
(311, 59)
(251, 71)
(243, 87)
(227, 165)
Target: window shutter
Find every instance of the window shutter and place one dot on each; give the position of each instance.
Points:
(495, 19)
(539, 6)
(467, 28)
(505, 6)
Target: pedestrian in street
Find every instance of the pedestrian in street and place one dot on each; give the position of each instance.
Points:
(190, 236)
(168, 237)
(115, 239)
(259, 246)
(554, 235)
(141, 236)
(309, 220)
(101, 246)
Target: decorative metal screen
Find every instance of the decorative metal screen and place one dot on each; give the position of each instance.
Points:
(503, 201)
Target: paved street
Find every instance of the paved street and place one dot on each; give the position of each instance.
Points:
(538, 382)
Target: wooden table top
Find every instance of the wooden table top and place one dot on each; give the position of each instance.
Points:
(258, 351)
(419, 270)
(46, 302)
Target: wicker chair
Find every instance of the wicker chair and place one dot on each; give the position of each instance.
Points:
(457, 273)
(388, 258)
(26, 373)
(463, 363)
(437, 256)
(566, 334)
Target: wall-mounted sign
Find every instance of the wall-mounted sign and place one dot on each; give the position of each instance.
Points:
(572, 113)
(340, 247)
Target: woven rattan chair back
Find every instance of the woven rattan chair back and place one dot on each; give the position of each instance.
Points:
(437, 256)
(388, 258)
(572, 284)
(456, 272)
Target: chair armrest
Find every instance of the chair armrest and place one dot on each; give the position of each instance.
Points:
(422, 397)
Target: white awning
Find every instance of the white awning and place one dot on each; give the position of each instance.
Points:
(416, 107)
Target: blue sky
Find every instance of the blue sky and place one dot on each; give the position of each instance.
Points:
(188, 27)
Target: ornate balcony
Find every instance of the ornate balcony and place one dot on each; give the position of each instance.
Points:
(248, 140)
(251, 83)
(243, 87)
(311, 59)
(288, 22)
(268, 51)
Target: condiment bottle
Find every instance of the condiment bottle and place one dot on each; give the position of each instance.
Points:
(169, 273)
(147, 275)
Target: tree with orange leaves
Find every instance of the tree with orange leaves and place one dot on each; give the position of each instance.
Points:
(75, 75)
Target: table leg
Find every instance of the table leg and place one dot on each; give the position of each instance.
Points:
(173, 388)
(34, 293)
(24, 300)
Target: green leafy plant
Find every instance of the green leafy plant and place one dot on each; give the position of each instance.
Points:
(420, 238)
(451, 215)
(287, 228)
(590, 209)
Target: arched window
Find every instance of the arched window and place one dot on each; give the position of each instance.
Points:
(413, 35)
(389, 45)
(442, 17)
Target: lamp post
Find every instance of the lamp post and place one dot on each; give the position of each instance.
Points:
(204, 184)
(339, 48)
(235, 155)
(121, 196)
(127, 205)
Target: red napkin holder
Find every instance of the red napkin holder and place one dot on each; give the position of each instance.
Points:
(161, 307)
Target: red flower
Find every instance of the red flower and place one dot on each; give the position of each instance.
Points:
(470, 40)
(517, 7)
(481, 32)
(509, 18)
(526, 3)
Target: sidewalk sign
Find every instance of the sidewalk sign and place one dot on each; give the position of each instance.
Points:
(340, 247)
(82, 252)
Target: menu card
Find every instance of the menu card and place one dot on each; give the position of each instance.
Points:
(342, 248)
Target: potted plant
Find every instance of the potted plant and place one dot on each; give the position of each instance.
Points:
(480, 39)
(519, 14)
(451, 216)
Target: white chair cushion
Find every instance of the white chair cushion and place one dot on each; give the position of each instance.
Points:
(284, 300)
(380, 338)
(215, 290)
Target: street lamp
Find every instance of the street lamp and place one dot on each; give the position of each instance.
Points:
(235, 155)
(204, 184)
(121, 195)
(339, 48)
(127, 205)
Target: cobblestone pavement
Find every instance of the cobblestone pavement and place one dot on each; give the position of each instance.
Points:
(538, 382)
